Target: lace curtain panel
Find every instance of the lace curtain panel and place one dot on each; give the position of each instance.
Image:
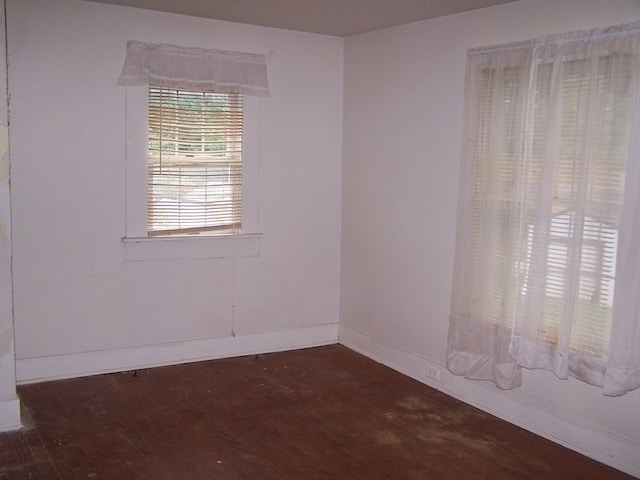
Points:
(547, 270)
(194, 69)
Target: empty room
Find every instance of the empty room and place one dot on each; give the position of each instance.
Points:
(277, 239)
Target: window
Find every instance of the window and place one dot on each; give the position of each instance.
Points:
(560, 190)
(192, 151)
(542, 209)
(194, 163)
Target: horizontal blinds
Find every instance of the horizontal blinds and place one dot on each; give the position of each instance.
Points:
(550, 178)
(588, 182)
(194, 180)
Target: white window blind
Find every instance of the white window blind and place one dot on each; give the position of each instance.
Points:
(194, 180)
(542, 199)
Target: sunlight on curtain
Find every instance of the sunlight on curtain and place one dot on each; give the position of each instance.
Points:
(547, 244)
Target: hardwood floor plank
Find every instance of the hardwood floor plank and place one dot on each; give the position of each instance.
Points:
(320, 413)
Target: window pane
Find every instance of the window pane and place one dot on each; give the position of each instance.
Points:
(194, 161)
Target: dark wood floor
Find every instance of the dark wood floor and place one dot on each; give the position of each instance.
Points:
(320, 413)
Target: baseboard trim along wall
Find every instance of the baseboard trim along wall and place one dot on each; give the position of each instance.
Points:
(613, 450)
(580, 436)
(9, 415)
(32, 370)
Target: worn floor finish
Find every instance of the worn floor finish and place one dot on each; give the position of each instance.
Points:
(321, 413)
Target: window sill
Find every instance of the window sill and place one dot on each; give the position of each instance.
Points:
(139, 249)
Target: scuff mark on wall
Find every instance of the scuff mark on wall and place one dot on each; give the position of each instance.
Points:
(4, 143)
(5, 233)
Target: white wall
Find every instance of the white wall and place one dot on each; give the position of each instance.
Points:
(402, 139)
(80, 306)
(9, 405)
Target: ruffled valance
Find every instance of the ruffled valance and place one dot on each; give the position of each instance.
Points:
(194, 69)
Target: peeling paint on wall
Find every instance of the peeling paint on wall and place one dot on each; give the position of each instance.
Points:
(7, 355)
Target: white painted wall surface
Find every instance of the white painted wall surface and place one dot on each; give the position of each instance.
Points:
(9, 404)
(80, 307)
(402, 140)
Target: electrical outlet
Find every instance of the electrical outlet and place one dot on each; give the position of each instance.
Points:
(433, 372)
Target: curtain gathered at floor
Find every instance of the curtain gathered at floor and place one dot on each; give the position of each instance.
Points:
(547, 269)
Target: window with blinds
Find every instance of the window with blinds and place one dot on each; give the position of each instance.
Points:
(194, 162)
(557, 188)
(588, 181)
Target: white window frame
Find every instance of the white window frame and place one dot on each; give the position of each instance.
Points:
(140, 246)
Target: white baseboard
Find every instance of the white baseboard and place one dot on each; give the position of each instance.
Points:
(32, 370)
(10, 415)
(620, 453)
(613, 450)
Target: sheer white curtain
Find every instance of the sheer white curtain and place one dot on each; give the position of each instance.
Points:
(196, 69)
(547, 271)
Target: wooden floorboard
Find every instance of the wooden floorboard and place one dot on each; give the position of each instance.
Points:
(319, 413)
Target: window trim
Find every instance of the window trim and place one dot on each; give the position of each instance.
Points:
(135, 226)
(192, 247)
